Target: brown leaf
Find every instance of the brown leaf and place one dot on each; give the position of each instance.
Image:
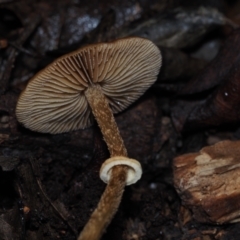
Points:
(222, 105)
(8, 163)
(178, 28)
(218, 69)
(9, 226)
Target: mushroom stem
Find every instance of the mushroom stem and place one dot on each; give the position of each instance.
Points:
(112, 195)
(107, 206)
(104, 116)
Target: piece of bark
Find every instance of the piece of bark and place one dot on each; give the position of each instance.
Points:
(208, 182)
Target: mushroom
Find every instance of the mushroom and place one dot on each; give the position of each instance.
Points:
(63, 96)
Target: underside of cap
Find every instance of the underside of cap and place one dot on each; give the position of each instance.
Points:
(54, 99)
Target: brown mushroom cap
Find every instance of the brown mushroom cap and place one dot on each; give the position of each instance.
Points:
(54, 99)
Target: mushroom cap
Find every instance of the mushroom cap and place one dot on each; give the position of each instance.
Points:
(54, 100)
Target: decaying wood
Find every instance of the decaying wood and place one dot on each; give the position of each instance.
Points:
(208, 182)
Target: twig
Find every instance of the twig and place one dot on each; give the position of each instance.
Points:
(49, 200)
(23, 50)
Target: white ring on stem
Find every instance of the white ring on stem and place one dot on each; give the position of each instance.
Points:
(134, 169)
